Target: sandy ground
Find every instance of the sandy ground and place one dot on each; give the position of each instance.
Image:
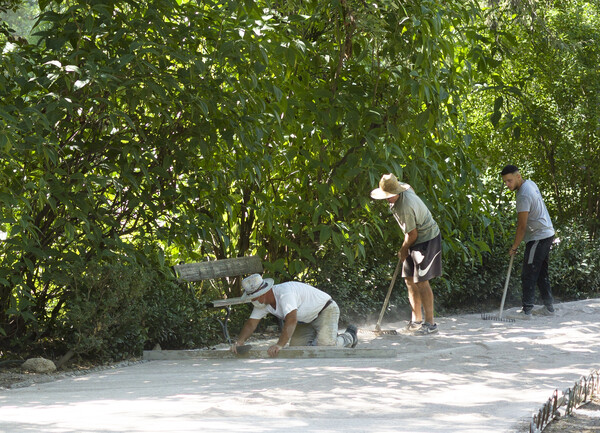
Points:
(474, 375)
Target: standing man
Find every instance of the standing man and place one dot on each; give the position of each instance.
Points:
(421, 251)
(310, 315)
(535, 228)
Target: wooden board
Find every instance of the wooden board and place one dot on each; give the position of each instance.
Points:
(219, 268)
(286, 353)
(229, 301)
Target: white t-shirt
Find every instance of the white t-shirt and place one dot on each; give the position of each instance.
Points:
(293, 295)
(529, 199)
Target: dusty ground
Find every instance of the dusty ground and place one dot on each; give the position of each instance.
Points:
(473, 376)
(15, 377)
(585, 420)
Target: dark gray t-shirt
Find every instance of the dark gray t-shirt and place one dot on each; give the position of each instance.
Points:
(539, 224)
(411, 213)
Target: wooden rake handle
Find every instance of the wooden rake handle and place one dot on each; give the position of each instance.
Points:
(387, 297)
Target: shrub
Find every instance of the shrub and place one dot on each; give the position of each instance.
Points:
(114, 310)
(177, 315)
(358, 288)
(104, 309)
(575, 263)
(474, 286)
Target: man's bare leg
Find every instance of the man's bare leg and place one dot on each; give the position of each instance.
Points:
(426, 297)
(414, 297)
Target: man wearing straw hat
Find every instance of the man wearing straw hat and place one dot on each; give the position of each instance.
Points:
(421, 251)
(310, 315)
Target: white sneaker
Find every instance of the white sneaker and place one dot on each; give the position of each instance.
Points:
(543, 311)
(519, 315)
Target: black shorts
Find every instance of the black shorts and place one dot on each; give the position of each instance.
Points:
(424, 260)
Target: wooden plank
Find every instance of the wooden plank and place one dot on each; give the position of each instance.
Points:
(256, 353)
(229, 301)
(219, 268)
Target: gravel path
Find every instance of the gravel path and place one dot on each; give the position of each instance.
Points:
(474, 375)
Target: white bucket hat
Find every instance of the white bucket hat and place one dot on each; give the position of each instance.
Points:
(254, 286)
(389, 187)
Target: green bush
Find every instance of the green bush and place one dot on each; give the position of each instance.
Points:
(575, 264)
(104, 310)
(474, 286)
(114, 310)
(176, 315)
(358, 288)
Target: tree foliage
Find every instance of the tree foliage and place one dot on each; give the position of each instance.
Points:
(542, 100)
(149, 133)
(18, 17)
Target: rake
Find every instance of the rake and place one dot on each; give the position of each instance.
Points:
(499, 317)
(378, 329)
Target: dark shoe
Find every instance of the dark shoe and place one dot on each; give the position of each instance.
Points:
(353, 331)
(426, 329)
(543, 311)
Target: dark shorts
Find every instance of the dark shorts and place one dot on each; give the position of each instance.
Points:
(424, 260)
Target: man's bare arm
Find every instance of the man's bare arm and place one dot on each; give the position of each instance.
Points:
(409, 239)
(246, 332)
(521, 228)
(289, 326)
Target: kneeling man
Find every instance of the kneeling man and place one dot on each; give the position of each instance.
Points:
(310, 315)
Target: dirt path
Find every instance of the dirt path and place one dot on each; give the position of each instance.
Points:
(473, 376)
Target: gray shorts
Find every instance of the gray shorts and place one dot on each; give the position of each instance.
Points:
(424, 260)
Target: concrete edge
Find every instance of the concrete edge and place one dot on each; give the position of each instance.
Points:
(286, 353)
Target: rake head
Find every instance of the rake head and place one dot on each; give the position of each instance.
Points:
(496, 318)
(381, 331)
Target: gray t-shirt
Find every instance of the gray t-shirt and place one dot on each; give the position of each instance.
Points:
(411, 213)
(529, 199)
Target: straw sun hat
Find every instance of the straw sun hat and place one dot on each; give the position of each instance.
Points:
(255, 286)
(389, 187)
